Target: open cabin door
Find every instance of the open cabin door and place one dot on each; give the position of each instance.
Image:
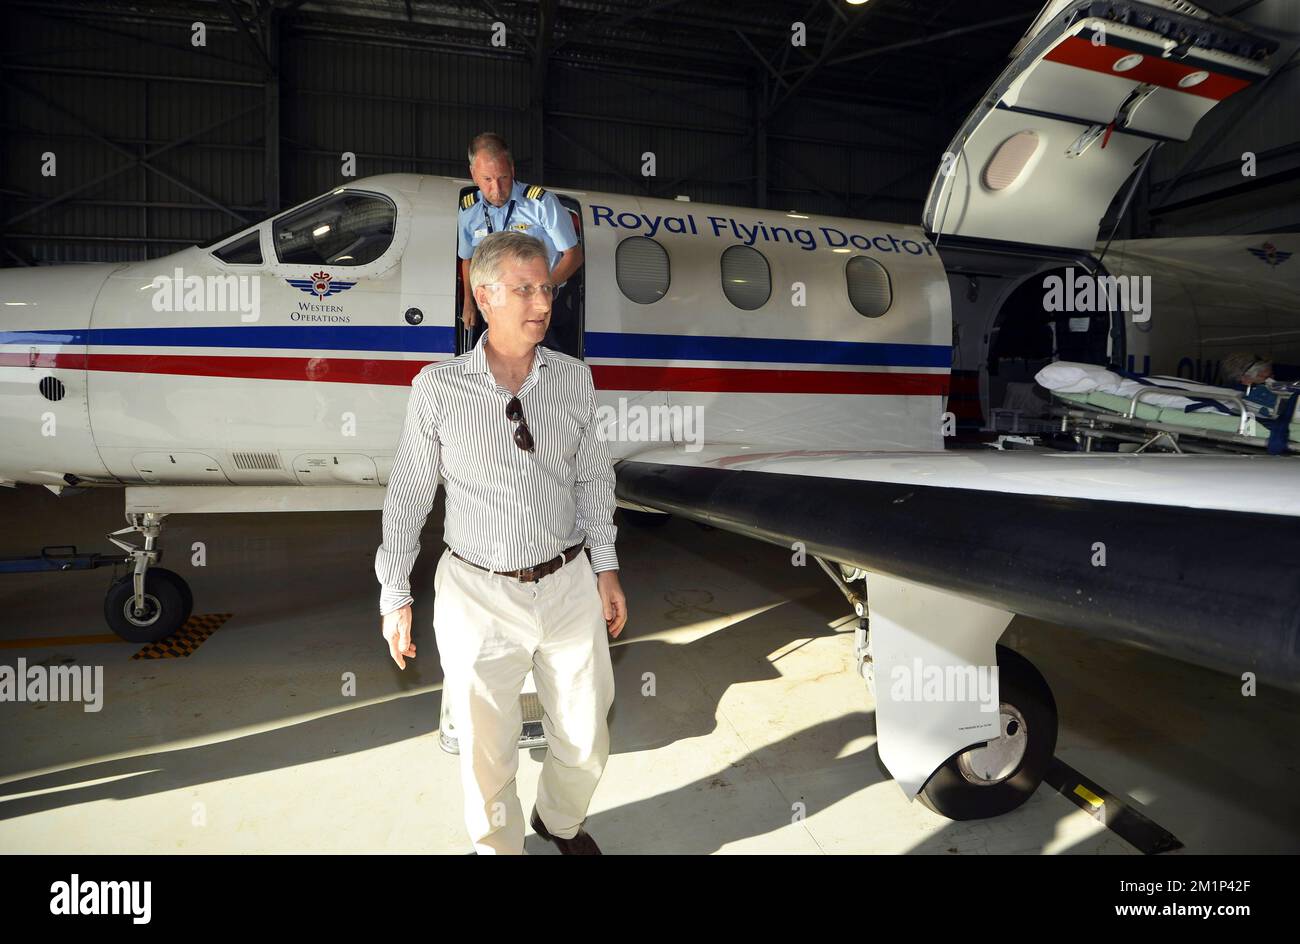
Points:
(567, 329)
(1093, 87)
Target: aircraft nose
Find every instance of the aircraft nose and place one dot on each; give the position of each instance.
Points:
(45, 317)
(45, 314)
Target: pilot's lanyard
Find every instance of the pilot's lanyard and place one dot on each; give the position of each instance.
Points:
(487, 216)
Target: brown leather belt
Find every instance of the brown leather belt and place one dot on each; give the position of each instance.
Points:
(532, 574)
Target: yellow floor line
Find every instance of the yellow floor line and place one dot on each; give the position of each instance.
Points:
(37, 642)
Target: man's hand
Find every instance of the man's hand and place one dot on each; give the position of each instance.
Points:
(469, 316)
(397, 630)
(611, 595)
(568, 263)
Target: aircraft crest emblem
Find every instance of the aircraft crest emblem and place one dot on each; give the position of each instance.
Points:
(1270, 254)
(321, 284)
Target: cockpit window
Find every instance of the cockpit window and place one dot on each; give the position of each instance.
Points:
(341, 229)
(244, 251)
(224, 235)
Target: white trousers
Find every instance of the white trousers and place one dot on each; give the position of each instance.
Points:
(491, 630)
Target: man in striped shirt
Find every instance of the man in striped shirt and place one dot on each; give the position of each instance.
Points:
(510, 428)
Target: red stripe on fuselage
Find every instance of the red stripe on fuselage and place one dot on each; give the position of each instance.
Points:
(399, 373)
(1080, 52)
(776, 380)
(360, 370)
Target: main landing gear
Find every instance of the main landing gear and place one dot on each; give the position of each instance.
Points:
(967, 741)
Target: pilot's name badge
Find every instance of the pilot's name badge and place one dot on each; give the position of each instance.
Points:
(480, 233)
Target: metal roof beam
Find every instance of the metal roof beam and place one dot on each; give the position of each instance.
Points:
(257, 47)
(492, 12)
(135, 159)
(832, 44)
(594, 29)
(926, 40)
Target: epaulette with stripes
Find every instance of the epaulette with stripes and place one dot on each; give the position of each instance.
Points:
(534, 192)
(467, 201)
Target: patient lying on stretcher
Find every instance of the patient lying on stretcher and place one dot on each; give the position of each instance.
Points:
(1254, 376)
(1260, 411)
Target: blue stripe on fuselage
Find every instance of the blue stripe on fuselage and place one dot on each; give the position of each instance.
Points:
(773, 350)
(433, 339)
(441, 340)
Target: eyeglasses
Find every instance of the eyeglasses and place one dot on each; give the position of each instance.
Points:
(528, 291)
(515, 414)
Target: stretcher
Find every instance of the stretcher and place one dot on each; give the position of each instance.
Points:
(1164, 413)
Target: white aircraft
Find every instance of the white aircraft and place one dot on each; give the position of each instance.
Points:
(269, 371)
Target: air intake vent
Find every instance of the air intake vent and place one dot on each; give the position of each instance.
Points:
(263, 461)
(1008, 161)
(51, 388)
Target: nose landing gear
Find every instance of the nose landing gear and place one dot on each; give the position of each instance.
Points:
(150, 603)
(146, 605)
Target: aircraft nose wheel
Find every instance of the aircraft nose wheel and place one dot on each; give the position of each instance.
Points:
(996, 777)
(168, 603)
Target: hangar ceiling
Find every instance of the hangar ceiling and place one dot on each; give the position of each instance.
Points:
(163, 143)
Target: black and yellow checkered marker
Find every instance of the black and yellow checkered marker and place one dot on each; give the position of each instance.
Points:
(186, 640)
(1141, 833)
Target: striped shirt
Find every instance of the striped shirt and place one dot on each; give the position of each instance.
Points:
(506, 508)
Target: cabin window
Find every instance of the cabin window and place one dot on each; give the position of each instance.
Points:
(246, 250)
(1010, 160)
(869, 288)
(746, 277)
(641, 269)
(341, 229)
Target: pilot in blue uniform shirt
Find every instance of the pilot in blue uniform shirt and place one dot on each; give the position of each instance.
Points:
(530, 209)
(534, 211)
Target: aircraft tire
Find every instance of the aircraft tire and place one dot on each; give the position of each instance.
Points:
(1015, 763)
(181, 584)
(168, 605)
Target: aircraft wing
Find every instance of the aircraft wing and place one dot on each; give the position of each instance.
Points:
(1196, 557)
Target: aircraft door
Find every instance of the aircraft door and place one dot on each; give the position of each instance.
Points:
(1093, 88)
(566, 332)
(567, 329)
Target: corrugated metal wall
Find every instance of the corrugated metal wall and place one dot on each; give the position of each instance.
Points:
(107, 91)
(104, 96)
(396, 109)
(104, 90)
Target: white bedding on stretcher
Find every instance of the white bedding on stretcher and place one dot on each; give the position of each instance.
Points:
(1070, 377)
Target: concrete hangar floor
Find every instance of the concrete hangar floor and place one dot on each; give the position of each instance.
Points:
(248, 745)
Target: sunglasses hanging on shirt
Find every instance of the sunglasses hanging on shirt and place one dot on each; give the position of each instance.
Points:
(515, 414)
